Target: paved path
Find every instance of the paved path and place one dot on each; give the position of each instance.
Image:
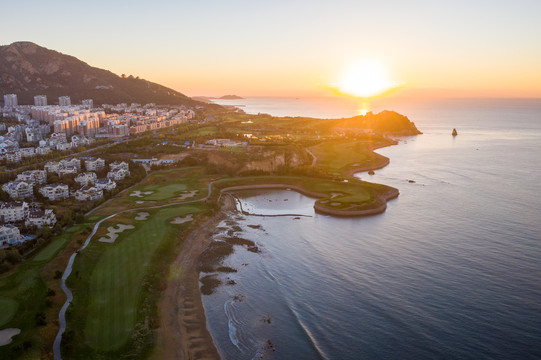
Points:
(314, 159)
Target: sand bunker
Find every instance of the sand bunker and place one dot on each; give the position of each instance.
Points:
(138, 193)
(187, 194)
(141, 216)
(7, 334)
(113, 232)
(182, 220)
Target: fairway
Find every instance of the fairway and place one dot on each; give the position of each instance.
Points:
(161, 192)
(51, 250)
(337, 156)
(8, 308)
(116, 281)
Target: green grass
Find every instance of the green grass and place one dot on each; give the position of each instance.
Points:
(204, 131)
(166, 187)
(115, 286)
(9, 308)
(354, 193)
(161, 192)
(54, 248)
(23, 295)
(336, 157)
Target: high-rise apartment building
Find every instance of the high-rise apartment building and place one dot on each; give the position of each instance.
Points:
(64, 101)
(88, 103)
(10, 100)
(40, 100)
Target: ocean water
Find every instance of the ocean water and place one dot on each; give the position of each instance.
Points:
(452, 269)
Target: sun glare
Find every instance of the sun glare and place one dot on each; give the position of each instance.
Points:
(365, 80)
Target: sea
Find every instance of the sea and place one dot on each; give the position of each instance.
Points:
(451, 270)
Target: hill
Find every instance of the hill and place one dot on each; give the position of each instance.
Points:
(27, 69)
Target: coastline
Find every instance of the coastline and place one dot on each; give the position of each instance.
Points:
(392, 193)
(183, 332)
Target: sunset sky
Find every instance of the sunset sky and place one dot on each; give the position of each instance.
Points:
(295, 47)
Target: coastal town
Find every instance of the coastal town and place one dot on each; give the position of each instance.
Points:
(30, 131)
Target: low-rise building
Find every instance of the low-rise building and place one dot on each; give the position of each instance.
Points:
(19, 189)
(55, 192)
(94, 164)
(88, 193)
(34, 176)
(86, 178)
(10, 236)
(119, 165)
(67, 170)
(38, 218)
(118, 174)
(105, 184)
(13, 211)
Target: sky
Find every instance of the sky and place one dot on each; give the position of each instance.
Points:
(475, 48)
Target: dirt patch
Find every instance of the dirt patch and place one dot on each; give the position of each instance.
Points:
(142, 216)
(113, 232)
(182, 220)
(7, 334)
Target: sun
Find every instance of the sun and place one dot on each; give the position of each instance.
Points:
(365, 79)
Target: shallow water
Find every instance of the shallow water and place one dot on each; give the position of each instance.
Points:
(450, 270)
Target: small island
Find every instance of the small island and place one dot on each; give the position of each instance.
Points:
(231, 97)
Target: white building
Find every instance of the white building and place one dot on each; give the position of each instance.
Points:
(33, 134)
(88, 103)
(86, 178)
(10, 101)
(40, 100)
(105, 184)
(67, 170)
(94, 164)
(40, 217)
(88, 193)
(19, 189)
(55, 192)
(33, 176)
(118, 174)
(65, 166)
(9, 236)
(71, 162)
(27, 152)
(64, 101)
(13, 211)
(119, 165)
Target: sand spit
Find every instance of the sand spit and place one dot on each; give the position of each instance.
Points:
(182, 220)
(113, 232)
(142, 216)
(7, 334)
(140, 194)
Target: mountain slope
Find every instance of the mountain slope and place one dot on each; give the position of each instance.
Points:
(27, 69)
